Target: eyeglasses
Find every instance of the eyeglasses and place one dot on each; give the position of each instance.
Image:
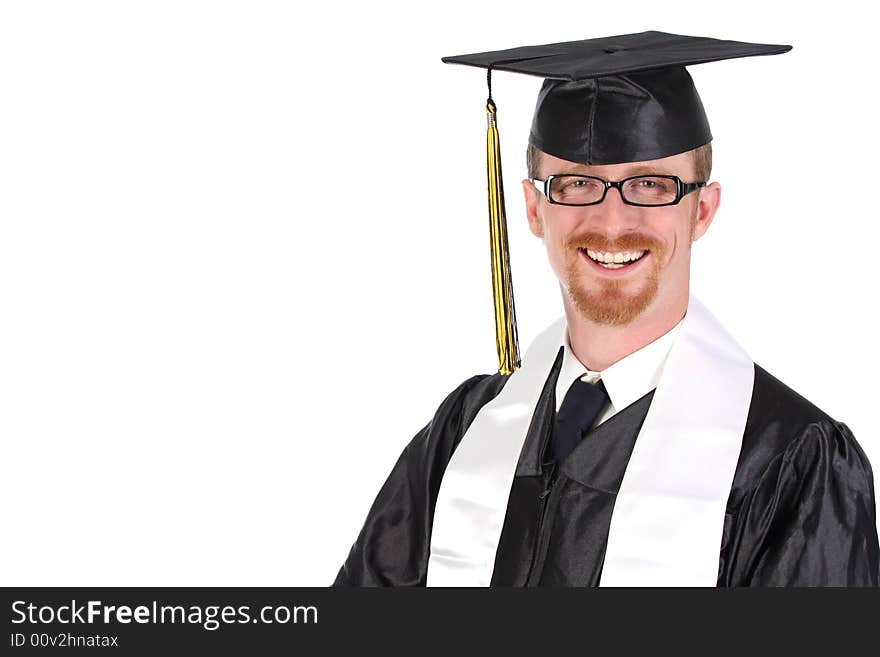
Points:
(646, 191)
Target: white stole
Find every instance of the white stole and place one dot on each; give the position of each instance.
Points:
(668, 516)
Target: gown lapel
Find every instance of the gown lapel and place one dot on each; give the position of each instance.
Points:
(589, 477)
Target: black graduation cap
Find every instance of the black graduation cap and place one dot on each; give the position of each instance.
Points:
(610, 100)
(617, 99)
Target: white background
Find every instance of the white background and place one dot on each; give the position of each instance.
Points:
(207, 369)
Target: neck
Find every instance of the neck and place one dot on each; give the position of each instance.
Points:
(598, 346)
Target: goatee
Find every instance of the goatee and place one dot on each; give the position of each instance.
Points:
(611, 301)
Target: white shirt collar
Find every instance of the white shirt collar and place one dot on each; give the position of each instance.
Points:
(628, 379)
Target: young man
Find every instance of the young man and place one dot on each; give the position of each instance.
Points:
(638, 444)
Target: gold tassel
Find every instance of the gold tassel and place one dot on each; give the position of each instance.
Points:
(502, 285)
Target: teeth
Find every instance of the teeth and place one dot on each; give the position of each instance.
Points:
(614, 258)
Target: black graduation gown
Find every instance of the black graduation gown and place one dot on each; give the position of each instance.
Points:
(801, 509)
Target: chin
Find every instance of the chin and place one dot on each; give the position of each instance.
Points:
(610, 305)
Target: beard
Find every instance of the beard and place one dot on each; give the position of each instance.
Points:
(613, 301)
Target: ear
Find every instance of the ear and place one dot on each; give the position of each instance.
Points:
(536, 224)
(707, 206)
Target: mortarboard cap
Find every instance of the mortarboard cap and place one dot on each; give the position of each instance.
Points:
(617, 99)
(610, 100)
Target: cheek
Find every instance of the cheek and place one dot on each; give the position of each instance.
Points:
(557, 230)
(675, 232)
(679, 256)
(556, 250)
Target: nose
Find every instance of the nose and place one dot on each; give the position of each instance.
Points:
(612, 216)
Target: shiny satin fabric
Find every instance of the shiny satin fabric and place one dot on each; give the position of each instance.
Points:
(622, 98)
(577, 518)
(801, 510)
(802, 507)
(622, 118)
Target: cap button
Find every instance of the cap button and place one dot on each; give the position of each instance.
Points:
(613, 49)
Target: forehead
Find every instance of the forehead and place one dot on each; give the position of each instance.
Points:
(681, 165)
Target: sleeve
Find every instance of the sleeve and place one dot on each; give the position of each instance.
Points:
(812, 518)
(393, 547)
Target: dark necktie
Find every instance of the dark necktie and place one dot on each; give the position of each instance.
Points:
(582, 404)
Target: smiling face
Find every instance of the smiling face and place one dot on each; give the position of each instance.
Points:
(616, 262)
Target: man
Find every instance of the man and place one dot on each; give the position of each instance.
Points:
(638, 444)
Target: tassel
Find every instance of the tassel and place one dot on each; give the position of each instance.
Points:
(502, 285)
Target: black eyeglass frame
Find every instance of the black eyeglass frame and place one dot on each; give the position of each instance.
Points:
(682, 189)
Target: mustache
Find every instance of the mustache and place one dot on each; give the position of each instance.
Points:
(633, 241)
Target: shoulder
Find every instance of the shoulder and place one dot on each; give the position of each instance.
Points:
(773, 402)
(456, 412)
(782, 418)
(394, 544)
(802, 509)
(473, 393)
(787, 432)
